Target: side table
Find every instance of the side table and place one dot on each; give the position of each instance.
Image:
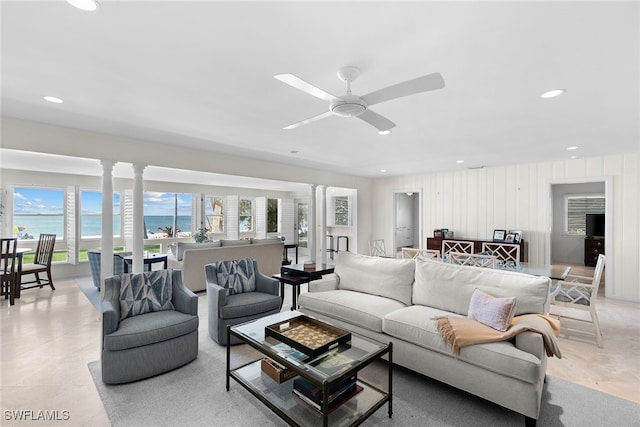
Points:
(148, 261)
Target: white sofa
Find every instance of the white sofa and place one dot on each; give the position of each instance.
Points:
(192, 257)
(398, 300)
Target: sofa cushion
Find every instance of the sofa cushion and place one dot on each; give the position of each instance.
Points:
(387, 277)
(418, 325)
(237, 276)
(145, 292)
(364, 310)
(150, 328)
(225, 242)
(449, 287)
(496, 313)
(182, 246)
(266, 240)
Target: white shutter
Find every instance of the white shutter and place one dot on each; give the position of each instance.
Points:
(261, 217)
(286, 215)
(127, 213)
(231, 223)
(72, 225)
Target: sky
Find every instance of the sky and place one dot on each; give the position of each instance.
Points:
(28, 201)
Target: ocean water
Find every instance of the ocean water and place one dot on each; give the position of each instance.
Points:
(92, 224)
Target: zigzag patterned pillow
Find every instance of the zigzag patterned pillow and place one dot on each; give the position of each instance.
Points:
(145, 292)
(237, 276)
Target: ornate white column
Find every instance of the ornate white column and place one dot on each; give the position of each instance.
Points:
(311, 226)
(138, 218)
(106, 241)
(323, 230)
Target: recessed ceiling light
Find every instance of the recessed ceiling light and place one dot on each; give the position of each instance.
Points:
(575, 147)
(552, 93)
(383, 170)
(53, 99)
(459, 161)
(88, 5)
(384, 132)
(294, 151)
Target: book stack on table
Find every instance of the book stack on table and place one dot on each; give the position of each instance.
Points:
(338, 393)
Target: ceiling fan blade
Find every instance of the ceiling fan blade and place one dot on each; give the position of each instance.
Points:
(309, 120)
(376, 120)
(410, 87)
(300, 84)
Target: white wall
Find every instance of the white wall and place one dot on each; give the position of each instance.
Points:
(473, 203)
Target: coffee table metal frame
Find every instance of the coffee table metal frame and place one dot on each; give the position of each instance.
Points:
(280, 398)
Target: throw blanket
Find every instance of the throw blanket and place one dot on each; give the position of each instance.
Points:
(460, 332)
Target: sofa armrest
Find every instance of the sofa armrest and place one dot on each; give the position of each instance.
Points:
(110, 318)
(329, 282)
(531, 342)
(183, 299)
(266, 284)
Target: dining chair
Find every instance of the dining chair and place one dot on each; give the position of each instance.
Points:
(507, 254)
(460, 246)
(8, 271)
(413, 253)
(376, 248)
(578, 293)
(41, 265)
(473, 260)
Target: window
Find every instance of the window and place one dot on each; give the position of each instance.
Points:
(167, 214)
(214, 214)
(91, 214)
(38, 210)
(272, 215)
(341, 211)
(577, 207)
(245, 215)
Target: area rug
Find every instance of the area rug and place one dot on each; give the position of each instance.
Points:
(195, 395)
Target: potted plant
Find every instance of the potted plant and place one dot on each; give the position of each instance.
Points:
(201, 236)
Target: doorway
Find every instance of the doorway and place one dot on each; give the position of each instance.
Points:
(563, 248)
(407, 225)
(302, 226)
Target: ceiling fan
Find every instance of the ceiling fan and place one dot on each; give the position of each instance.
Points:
(350, 105)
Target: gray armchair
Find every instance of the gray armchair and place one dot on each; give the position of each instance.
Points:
(95, 260)
(237, 292)
(162, 338)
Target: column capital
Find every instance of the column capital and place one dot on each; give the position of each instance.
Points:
(107, 164)
(139, 168)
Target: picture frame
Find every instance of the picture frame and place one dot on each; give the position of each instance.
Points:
(510, 238)
(517, 235)
(499, 235)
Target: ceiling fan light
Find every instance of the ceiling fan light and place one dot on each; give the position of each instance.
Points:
(88, 5)
(348, 106)
(384, 132)
(552, 93)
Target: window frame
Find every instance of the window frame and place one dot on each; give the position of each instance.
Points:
(251, 215)
(221, 215)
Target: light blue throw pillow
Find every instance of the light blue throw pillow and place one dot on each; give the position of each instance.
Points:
(145, 292)
(237, 276)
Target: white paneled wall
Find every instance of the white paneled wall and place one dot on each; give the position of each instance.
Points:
(474, 202)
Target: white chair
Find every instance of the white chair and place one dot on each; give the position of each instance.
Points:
(376, 248)
(507, 254)
(579, 293)
(473, 260)
(413, 253)
(460, 246)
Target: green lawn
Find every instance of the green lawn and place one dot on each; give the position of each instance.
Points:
(61, 256)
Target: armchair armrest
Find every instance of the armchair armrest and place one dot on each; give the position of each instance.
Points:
(329, 282)
(110, 318)
(183, 299)
(266, 284)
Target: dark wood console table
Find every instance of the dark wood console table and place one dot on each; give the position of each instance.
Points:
(435, 243)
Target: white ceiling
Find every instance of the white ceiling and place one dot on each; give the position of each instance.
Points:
(200, 74)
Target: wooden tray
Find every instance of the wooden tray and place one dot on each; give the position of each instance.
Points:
(308, 335)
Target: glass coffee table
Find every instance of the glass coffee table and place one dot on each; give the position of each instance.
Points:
(334, 366)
